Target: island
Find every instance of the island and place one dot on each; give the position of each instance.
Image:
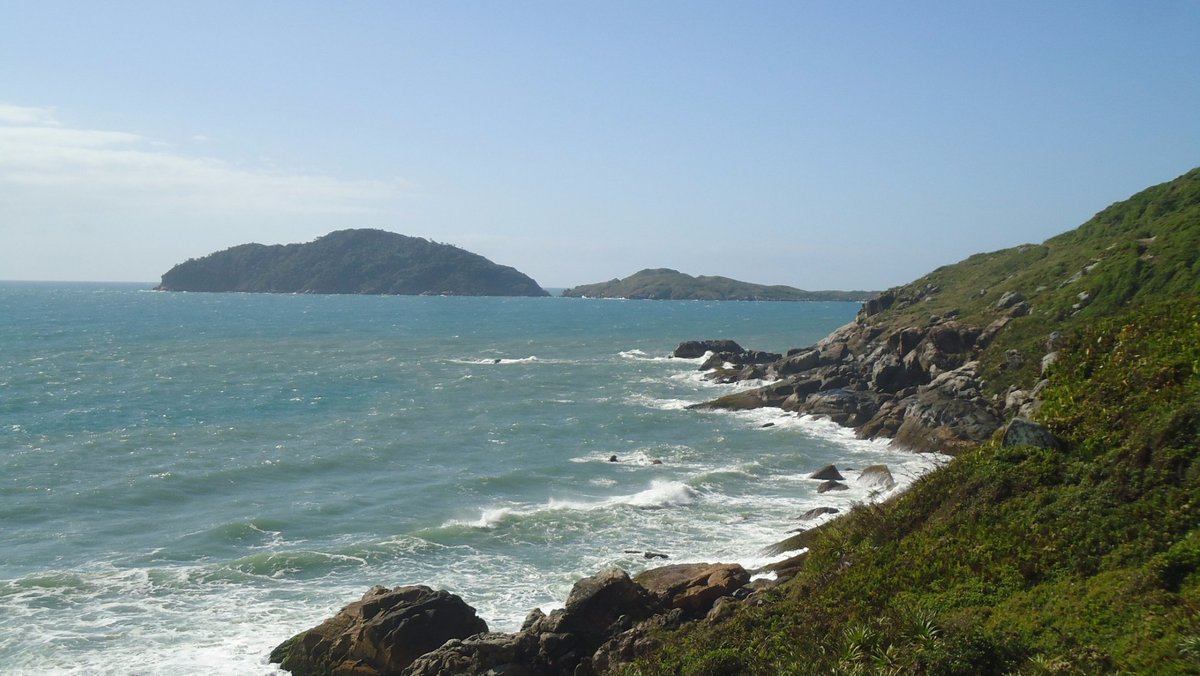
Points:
(357, 261)
(667, 284)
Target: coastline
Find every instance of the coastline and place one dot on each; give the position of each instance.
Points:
(741, 580)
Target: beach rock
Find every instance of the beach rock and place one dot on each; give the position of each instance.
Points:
(795, 363)
(597, 602)
(694, 349)
(632, 643)
(693, 587)
(816, 512)
(490, 653)
(877, 476)
(843, 406)
(827, 473)
(382, 633)
(832, 486)
(1025, 432)
(598, 609)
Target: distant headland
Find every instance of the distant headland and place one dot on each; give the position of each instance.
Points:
(361, 261)
(667, 284)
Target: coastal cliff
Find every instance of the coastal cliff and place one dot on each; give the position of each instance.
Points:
(351, 262)
(1068, 543)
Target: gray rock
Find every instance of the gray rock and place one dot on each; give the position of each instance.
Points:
(817, 512)
(832, 486)
(1013, 360)
(1048, 361)
(827, 473)
(877, 476)
(694, 349)
(1025, 432)
(1009, 299)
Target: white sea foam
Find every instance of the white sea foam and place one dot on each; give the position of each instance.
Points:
(639, 355)
(499, 361)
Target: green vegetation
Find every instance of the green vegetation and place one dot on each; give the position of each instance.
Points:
(1078, 560)
(665, 284)
(1139, 250)
(1083, 560)
(351, 261)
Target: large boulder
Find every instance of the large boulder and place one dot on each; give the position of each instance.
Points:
(693, 587)
(1024, 432)
(597, 602)
(382, 633)
(878, 477)
(937, 420)
(598, 609)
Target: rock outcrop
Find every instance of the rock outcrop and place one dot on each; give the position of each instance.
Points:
(918, 385)
(415, 631)
(693, 587)
(382, 633)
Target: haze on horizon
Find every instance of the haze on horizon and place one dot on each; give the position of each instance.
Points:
(816, 145)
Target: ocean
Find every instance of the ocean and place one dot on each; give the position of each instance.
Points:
(187, 480)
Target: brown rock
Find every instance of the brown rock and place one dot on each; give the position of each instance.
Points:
(693, 587)
(382, 633)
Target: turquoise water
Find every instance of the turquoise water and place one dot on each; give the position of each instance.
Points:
(188, 479)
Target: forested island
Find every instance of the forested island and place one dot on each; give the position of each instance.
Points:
(361, 261)
(667, 284)
(1063, 537)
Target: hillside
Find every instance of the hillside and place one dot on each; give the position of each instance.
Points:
(351, 262)
(940, 363)
(666, 284)
(1077, 556)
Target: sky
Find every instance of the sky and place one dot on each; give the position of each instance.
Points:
(822, 145)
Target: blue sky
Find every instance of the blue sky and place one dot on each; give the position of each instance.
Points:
(819, 145)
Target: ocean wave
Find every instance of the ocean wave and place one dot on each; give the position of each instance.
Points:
(639, 355)
(660, 454)
(500, 361)
(659, 403)
(660, 494)
(293, 564)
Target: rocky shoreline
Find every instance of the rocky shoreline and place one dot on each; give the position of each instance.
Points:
(917, 385)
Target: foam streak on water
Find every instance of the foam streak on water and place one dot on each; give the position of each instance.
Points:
(188, 479)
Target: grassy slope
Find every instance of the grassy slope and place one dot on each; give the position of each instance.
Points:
(1019, 560)
(1143, 248)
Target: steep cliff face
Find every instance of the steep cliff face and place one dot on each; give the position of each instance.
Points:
(351, 262)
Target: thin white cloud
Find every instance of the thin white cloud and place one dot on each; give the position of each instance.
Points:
(38, 155)
(10, 114)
